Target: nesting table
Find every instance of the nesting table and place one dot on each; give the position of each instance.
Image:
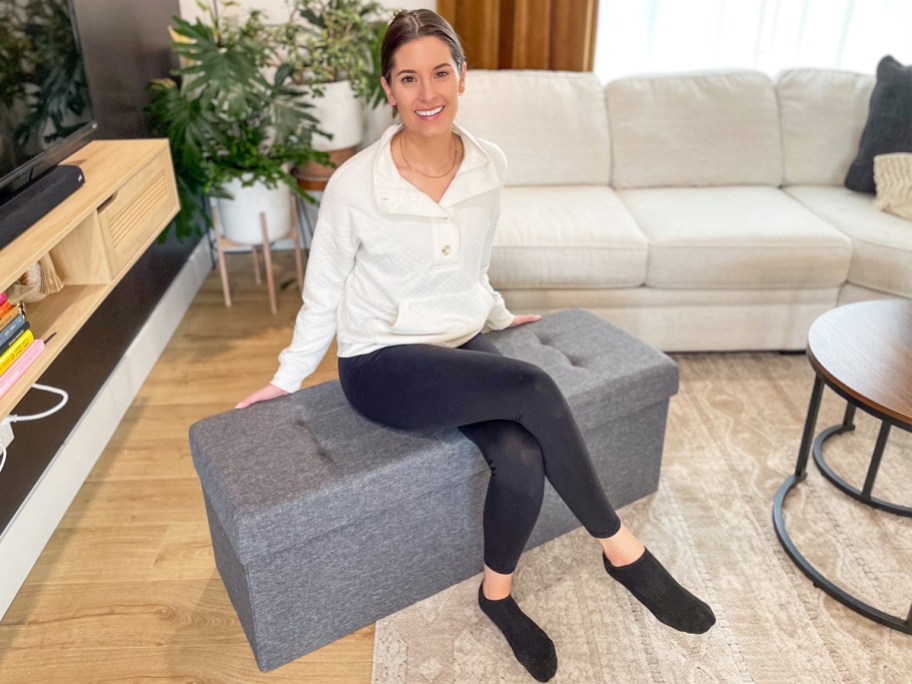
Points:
(863, 352)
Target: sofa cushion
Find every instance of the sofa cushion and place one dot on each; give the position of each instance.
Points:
(737, 237)
(881, 243)
(552, 125)
(566, 237)
(823, 113)
(694, 130)
(889, 125)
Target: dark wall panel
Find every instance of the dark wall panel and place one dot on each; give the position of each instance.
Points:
(125, 43)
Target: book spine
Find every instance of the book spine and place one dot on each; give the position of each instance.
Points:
(5, 306)
(11, 354)
(11, 329)
(9, 316)
(3, 299)
(20, 365)
(14, 337)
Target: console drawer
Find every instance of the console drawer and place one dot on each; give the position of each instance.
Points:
(146, 198)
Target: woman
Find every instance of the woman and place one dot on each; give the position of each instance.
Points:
(398, 269)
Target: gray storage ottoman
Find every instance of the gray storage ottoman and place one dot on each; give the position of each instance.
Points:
(323, 522)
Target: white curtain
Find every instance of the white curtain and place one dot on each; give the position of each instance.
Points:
(657, 36)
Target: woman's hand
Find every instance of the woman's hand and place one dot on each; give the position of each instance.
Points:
(519, 320)
(268, 392)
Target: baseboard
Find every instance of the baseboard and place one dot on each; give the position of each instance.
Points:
(27, 534)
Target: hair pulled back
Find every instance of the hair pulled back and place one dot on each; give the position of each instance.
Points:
(409, 25)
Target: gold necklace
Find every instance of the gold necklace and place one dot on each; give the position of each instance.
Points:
(427, 175)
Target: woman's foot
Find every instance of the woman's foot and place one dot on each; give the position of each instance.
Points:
(531, 646)
(652, 585)
(622, 548)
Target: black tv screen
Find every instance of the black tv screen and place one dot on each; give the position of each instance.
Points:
(45, 110)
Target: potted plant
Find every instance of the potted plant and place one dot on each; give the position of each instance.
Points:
(334, 46)
(236, 121)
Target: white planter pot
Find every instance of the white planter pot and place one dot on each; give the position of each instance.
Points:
(240, 217)
(339, 113)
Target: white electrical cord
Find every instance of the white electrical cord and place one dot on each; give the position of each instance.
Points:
(44, 414)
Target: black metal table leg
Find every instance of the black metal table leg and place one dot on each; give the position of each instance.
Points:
(863, 495)
(810, 425)
(820, 580)
(848, 419)
(875, 461)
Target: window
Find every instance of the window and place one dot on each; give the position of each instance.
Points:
(654, 36)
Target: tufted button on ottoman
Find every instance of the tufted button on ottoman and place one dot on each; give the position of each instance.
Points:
(323, 522)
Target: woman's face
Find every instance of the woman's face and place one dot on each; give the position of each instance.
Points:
(425, 85)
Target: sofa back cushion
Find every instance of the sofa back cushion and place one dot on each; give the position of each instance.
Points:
(552, 125)
(823, 113)
(712, 128)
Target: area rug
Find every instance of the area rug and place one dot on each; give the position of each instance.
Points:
(732, 438)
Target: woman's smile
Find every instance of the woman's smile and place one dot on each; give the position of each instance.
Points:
(430, 114)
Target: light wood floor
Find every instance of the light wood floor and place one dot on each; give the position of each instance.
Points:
(127, 588)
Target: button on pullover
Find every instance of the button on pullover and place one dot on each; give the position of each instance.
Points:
(389, 265)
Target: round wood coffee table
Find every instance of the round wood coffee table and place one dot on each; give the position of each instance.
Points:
(863, 352)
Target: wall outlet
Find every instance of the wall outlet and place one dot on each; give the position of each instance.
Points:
(6, 433)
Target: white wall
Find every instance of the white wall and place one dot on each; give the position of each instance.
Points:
(277, 10)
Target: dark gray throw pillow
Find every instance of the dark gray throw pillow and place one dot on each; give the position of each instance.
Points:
(889, 125)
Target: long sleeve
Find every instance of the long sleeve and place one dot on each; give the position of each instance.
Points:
(332, 257)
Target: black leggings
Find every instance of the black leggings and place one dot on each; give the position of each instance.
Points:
(512, 410)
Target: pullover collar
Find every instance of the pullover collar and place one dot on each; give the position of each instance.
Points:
(395, 195)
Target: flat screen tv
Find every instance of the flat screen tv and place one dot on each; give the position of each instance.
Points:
(45, 110)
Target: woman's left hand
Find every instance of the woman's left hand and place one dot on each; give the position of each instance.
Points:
(519, 320)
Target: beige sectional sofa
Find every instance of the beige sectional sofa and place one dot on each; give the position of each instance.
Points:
(699, 211)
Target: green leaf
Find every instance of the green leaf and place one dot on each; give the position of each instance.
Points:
(226, 119)
(312, 17)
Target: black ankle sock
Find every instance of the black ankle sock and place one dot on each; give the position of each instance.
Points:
(531, 646)
(671, 603)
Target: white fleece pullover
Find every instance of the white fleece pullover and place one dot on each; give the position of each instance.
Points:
(389, 265)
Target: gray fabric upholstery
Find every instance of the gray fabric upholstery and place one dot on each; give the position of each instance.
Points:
(317, 514)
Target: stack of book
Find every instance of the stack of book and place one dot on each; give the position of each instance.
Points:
(18, 346)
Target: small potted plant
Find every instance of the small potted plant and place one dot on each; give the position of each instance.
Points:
(236, 122)
(334, 46)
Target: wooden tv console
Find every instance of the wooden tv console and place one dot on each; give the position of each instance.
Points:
(93, 237)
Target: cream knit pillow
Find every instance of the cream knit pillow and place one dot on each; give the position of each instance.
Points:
(893, 178)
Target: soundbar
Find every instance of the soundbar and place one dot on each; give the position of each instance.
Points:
(36, 199)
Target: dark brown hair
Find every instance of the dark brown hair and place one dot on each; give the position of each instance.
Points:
(409, 25)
